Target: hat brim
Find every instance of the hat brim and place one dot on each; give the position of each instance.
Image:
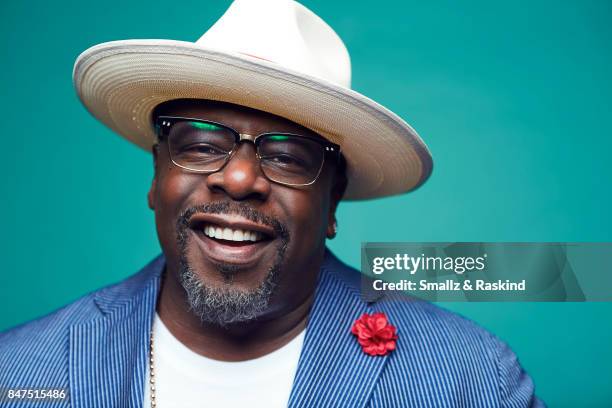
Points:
(121, 82)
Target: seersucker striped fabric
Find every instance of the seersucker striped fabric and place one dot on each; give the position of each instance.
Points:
(97, 348)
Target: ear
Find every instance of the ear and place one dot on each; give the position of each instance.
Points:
(332, 225)
(336, 195)
(151, 196)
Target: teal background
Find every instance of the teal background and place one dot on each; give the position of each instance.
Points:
(512, 98)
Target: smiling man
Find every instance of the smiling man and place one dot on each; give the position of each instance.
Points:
(256, 137)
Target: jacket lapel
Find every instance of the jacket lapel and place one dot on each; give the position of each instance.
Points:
(333, 370)
(108, 355)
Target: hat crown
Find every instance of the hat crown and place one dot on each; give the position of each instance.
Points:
(285, 33)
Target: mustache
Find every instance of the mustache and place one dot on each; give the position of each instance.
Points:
(226, 207)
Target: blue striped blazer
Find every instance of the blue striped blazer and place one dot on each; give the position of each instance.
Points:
(97, 348)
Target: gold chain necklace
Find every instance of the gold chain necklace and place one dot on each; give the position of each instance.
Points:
(151, 372)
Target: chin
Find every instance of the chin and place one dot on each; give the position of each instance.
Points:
(227, 294)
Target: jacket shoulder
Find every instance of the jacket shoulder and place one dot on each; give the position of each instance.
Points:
(35, 354)
(455, 353)
(41, 347)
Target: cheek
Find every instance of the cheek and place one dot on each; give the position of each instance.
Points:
(306, 214)
(175, 190)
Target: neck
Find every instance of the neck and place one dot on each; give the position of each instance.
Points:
(237, 342)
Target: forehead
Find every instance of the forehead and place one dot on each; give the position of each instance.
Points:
(241, 118)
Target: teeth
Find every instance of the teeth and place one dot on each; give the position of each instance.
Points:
(228, 234)
(232, 235)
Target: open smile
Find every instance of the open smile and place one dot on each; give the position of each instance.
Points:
(231, 239)
(232, 235)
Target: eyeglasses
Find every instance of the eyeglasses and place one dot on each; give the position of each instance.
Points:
(203, 146)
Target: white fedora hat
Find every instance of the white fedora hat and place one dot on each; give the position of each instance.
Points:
(273, 55)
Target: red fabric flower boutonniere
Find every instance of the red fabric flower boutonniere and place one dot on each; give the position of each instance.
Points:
(375, 334)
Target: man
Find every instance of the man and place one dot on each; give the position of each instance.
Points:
(255, 137)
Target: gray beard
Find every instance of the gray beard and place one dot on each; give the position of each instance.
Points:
(226, 305)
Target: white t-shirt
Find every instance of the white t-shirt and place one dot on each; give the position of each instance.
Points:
(186, 379)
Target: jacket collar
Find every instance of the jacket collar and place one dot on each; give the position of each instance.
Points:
(108, 354)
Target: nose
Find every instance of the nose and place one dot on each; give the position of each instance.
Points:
(241, 178)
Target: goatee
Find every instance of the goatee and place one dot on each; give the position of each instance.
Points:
(226, 305)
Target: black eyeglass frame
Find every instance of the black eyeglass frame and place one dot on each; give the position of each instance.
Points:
(163, 124)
